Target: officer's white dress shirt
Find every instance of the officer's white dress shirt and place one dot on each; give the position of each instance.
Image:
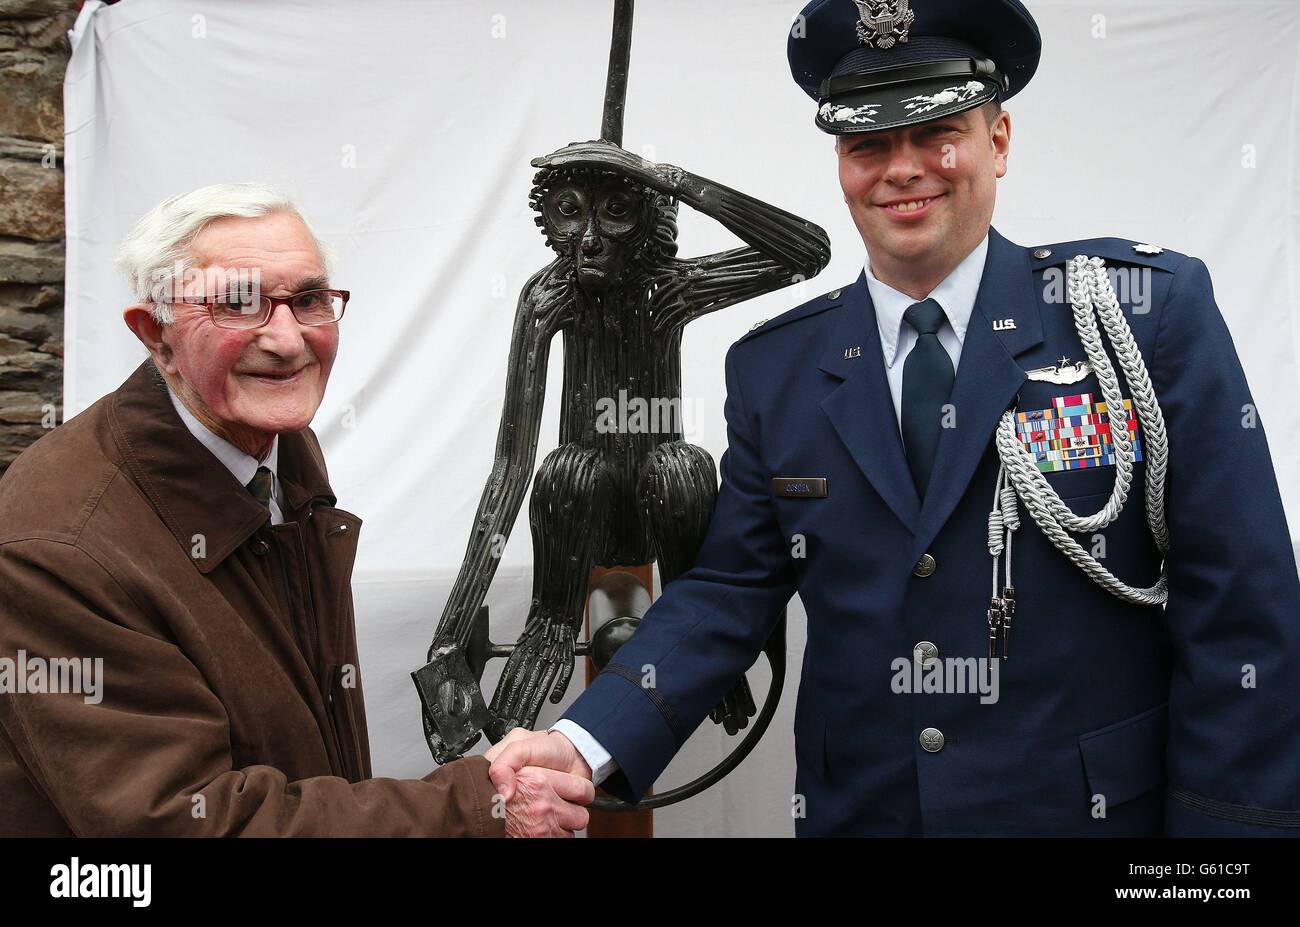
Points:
(242, 466)
(956, 296)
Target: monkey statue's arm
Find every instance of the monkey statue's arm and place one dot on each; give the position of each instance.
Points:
(783, 248)
(542, 305)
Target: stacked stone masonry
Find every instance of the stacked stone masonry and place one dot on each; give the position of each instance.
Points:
(34, 53)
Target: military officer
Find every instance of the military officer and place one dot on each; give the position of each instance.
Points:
(1041, 462)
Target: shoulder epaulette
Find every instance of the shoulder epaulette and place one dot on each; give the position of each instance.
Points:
(810, 308)
(1111, 250)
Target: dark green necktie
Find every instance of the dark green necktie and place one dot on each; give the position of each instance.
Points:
(260, 486)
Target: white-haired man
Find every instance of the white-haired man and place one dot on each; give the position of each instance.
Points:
(175, 600)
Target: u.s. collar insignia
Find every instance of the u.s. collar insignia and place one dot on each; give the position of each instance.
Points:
(883, 23)
(1062, 372)
(1148, 249)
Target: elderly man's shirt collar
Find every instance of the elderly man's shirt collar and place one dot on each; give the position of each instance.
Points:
(242, 466)
(208, 512)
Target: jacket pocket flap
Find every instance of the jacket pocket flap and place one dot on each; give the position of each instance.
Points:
(1126, 759)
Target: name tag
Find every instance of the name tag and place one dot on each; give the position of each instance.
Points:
(799, 487)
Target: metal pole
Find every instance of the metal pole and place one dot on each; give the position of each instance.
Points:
(620, 53)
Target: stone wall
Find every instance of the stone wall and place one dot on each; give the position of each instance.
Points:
(34, 54)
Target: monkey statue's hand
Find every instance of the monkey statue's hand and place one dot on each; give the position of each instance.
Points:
(606, 156)
(542, 659)
(453, 709)
(736, 708)
(452, 697)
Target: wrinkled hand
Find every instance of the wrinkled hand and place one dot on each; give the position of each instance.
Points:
(544, 782)
(522, 748)
(547, 803)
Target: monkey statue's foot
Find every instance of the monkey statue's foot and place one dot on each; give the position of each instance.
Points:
(736, 708)
(542, 661)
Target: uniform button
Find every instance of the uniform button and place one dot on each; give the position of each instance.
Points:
(925, 653)
(261, 548)
(924, 566)
(932, 740)
(1043, 253)
(833, 294)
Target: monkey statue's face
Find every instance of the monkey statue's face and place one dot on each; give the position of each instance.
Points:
(599, 225)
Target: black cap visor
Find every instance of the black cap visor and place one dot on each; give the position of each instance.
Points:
(896, 97)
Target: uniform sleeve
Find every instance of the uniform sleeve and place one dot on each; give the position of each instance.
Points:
(149, 753)
(704, 632)
(1233, 614)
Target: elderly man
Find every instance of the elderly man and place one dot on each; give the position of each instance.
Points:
(1132, 672)
(178, 543)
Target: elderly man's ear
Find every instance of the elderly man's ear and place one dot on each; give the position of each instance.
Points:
(149, 330)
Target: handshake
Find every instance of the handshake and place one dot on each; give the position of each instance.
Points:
(544, 782)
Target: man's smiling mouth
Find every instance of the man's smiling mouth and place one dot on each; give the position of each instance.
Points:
(275, 377)
(908, 207)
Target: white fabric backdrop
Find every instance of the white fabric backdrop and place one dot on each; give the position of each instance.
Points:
(403, 128)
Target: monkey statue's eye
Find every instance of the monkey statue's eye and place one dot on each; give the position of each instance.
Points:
(566, 208)
(616, 208)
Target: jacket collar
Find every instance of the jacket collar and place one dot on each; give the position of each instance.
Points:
(242, 466)
(988, 376)
(206, 509)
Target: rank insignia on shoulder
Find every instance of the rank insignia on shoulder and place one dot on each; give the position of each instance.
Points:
(757, 325)
(1148, 249)
(799, 487)
(1073, 434)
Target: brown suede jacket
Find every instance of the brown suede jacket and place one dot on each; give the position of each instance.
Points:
(230, 698)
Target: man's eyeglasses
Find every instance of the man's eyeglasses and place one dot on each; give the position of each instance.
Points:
(245, 311)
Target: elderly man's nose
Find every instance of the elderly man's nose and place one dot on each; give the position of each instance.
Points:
(281, 333)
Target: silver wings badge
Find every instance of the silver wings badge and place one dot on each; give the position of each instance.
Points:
(884, 23)
(1063, 372)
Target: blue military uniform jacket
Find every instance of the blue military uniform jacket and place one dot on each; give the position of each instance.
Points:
(1111, 718)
